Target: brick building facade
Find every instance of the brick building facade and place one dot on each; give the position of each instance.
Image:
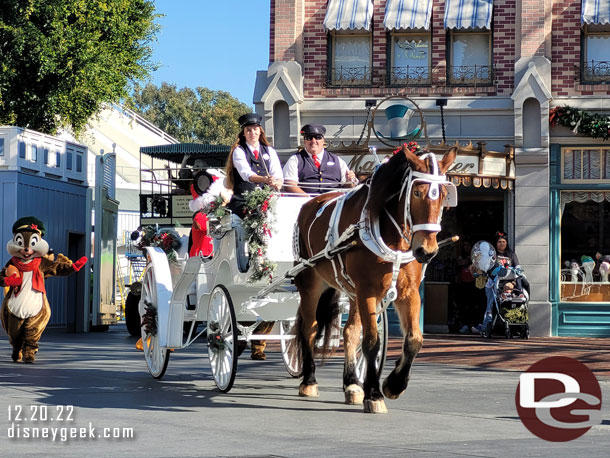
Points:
(499, 80)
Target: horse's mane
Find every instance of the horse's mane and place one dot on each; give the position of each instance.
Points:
(386, 182)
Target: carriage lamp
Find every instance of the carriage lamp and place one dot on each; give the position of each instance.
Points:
(370, 103)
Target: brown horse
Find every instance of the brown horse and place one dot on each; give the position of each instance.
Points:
(400, 211)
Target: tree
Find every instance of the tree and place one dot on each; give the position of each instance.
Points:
(61, 59)
(199, 115)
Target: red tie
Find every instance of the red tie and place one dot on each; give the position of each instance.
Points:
(255, 152)
(316, 161)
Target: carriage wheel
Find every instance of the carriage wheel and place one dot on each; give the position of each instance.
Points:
(290, 355)
(382, 331)
(222, 338)
(132, 313)
(156, 357)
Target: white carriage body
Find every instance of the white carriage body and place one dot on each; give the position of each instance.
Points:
(189, 281)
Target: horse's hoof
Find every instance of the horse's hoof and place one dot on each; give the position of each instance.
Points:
(375, 406)
(309, 391)
(354, 394)
(387, 393)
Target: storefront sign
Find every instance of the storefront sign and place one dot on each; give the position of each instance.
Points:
(463, 165)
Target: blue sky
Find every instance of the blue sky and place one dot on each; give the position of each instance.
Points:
(215, 44)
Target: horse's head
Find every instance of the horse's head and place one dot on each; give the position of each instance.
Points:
(427, 192)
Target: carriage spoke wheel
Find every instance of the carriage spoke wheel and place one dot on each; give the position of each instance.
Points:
(290, 355)
(382, 332)
(156, 357)
(222, 338)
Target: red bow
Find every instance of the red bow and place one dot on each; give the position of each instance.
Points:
(255, 152)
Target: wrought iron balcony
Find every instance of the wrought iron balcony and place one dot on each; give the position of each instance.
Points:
(595, 72)
(349, 76)
(409, 76)
(467, 75)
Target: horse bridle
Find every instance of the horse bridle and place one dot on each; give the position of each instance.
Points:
(435, 180)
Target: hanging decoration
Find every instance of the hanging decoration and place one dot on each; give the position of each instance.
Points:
(260, 205)
(581, 122)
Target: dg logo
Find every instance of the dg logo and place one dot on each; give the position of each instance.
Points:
(559, 399)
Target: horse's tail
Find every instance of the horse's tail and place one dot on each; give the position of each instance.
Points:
(329, 327)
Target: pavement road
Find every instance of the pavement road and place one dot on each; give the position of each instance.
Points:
(447, 411)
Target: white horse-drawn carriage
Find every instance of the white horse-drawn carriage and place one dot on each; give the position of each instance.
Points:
(179, 295)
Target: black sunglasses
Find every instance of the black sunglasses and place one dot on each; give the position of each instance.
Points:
(316, 136)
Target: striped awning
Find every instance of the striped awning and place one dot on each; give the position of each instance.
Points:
(407, 14)
(466, 14)
(595, 12)
(348, 14)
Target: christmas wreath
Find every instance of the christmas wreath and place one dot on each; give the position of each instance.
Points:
(167, 239)
(581, 122)
(259, 206)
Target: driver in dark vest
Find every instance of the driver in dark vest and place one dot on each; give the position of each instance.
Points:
(313, 170)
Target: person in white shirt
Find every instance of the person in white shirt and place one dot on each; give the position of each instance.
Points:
(314, 170)
(252, 162)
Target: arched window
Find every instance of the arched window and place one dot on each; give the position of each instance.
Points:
(532, 133)
(281, 125)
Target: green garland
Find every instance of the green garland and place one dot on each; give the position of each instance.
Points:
(259, 205)
(581, 122)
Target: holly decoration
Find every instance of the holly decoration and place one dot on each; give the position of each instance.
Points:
(260, 204)
(411, 146)
(167, 239)
(149, 319)
(218, 207)
(581, 122)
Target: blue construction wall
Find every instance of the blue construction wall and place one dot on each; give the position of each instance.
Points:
(62, 207)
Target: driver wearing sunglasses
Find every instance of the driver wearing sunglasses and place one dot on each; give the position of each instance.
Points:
(313, 170)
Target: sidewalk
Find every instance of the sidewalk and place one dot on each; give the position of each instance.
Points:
(505, 354)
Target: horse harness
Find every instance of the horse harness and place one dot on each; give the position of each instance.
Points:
(369, 229)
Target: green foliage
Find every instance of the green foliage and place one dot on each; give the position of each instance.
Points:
(516, 315)
(581, 122)
(191, 116)
(260, 204)
(61, 59)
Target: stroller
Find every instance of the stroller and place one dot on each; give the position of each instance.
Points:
(510, 312)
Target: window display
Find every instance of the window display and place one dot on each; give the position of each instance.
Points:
(585, 246)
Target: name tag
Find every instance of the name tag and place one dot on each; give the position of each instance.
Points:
(331, 163)
(266, 156)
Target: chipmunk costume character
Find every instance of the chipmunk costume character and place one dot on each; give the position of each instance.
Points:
(25, 309)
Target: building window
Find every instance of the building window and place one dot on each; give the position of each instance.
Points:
(409, 59)
(34, 153)
(68, 160)
(21, 150)
(1, 146)
(585, 165)
(470, 58)
(45, 156)
(57, 159)
(595, 53)
(79, 163)
(350, 59)
(585, 246)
